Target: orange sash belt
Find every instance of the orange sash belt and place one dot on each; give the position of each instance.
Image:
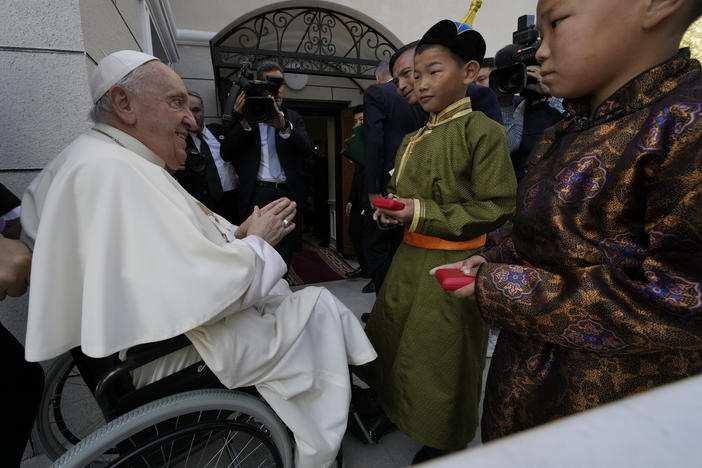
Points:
(436, 243)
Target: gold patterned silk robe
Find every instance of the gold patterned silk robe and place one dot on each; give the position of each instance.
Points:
(597, 286)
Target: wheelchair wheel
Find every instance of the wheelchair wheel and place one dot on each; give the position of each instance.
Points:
(68, 411)
(201, 428)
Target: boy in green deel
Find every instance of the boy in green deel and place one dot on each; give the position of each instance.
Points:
(597, 289)
(456, 181)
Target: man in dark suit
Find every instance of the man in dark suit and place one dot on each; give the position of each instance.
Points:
(269, 156)
(206, 176)
(388, 118)
(357, 205)
(485, 100)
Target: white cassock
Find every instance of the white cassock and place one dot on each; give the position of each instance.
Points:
(123, 255)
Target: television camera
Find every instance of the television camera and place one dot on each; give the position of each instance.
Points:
(258, 106)
(510, 76)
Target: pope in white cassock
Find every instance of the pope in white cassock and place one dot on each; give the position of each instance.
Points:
(123, 255)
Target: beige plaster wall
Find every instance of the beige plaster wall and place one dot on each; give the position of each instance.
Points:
(47, 48)
(41, 89)
(109, 26)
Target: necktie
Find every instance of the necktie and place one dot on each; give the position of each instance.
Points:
(214, 185)
(273, 161)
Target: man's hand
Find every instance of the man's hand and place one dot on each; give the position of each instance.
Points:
(239, 108)
(15, 266)
(278, 121)
(348, 208)
(534, 71)
(469, 267)
(274, 223)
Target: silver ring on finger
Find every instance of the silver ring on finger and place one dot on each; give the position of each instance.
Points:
(285, 223)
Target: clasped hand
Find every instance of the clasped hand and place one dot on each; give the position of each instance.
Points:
(271, 223)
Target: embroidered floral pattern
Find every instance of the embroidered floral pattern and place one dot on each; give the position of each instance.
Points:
(540, 365)
(515, 281)
(581, 180)
(531, 196)
(592, 336)
(661, 241)
(678, 295)
(623, 250)
(674, 120)
(606, 108)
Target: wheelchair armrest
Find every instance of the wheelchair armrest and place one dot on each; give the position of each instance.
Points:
(113, 382)
(147, 352)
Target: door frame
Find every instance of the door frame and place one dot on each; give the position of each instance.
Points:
(334, 109)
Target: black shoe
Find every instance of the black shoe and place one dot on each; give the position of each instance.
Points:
(357, 273)
(365, 316)
(428, 453)
(369, 288)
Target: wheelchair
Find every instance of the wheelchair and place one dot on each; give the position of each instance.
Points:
(185, 419)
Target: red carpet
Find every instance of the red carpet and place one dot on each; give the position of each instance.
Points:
(316, 265)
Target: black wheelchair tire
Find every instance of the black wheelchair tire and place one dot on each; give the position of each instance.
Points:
(120, 429)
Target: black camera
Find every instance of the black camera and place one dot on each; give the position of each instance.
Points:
(510, 76)
(258, 106)
(195, 162)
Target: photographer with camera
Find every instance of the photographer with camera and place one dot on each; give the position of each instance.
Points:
(512, 113)
(518, 73)
(205, 175)
(267, 145)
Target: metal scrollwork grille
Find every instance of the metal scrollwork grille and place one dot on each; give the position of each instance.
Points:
(309, 40)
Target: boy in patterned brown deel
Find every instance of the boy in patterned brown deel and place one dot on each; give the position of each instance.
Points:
(597, 286)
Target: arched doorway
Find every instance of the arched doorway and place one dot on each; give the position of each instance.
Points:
(317, 41)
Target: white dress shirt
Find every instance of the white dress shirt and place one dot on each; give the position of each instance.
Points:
(227, 174)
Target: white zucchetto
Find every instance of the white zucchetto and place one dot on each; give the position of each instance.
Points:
(113, 68)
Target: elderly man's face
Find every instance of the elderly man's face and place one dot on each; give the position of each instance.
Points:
(403, 76)
(163, 116)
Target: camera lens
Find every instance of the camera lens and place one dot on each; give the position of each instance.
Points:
(509, 80)
(258, 109)
(514, 80)
(195, 162)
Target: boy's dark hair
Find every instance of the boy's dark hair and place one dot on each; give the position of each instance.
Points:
(357, 109)
(267, 66)
(454, 56)
(488, 62)
(399, 52)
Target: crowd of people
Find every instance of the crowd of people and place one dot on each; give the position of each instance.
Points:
(572, 211)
